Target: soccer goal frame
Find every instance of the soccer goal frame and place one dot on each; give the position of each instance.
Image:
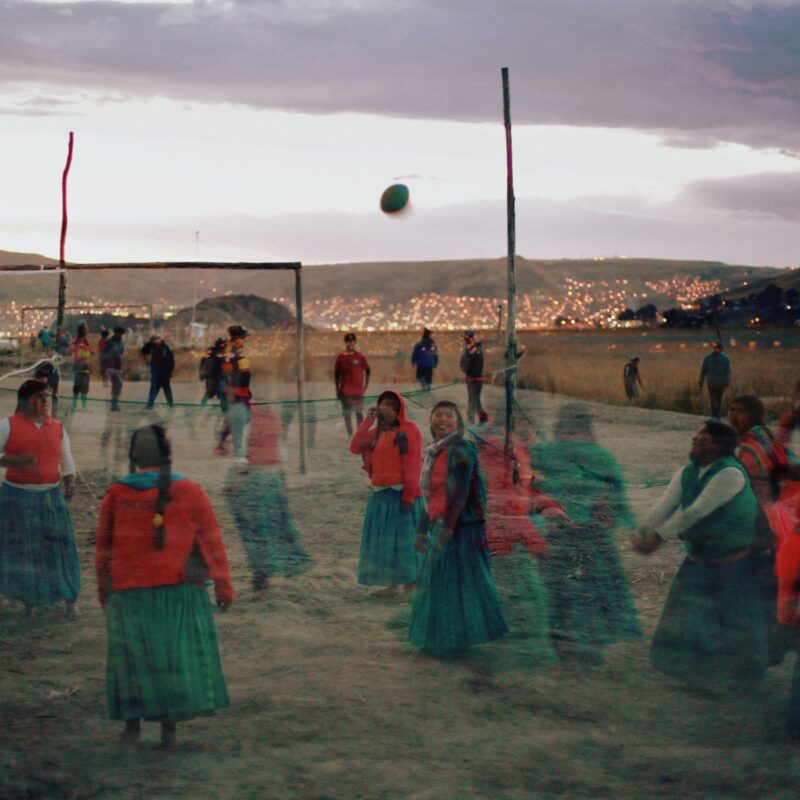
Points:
(294, 266)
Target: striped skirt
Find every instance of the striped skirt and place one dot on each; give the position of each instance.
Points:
(163, 658)
(387, 554)
(38, 558)
(456, 603)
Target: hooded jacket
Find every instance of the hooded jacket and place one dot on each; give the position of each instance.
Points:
(392, 457)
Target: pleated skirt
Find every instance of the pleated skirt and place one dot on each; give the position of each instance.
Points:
(38, 558)
(588, 592)
(269, 536)
(712, 629)
(387, 555)
(163, 657)
(456, 604)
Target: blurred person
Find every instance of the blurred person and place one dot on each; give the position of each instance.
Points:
(590, 600)
(162, 365)
(236, 374)
(716, 373)
(101, 343)
(711, 633)
(111, 364)
(425, 357)
(39, 562)
(45, 339)
(472, 367)
(158, 540)
(351, 375)
(258, 502)
(47, 372)
(210, 371)
(390, 446)
(81, 368)
(456, 604)
(631, 378)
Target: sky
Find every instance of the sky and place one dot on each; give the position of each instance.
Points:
(266, 130)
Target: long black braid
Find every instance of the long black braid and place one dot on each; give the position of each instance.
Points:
(164, 480)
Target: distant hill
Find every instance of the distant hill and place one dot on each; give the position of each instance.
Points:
(247, 310)
(787, 279)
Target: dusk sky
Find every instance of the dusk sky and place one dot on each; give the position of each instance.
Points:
(657, 128)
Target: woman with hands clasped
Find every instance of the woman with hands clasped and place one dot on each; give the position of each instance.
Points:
(158, 540)
(456, 603)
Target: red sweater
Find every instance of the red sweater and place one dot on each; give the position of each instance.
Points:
(44, 443)
(393, 457)
(264, 443)
(125, 556)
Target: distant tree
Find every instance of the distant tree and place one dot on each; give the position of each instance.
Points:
(647, 313)
(791, 297)
(769, 297)
(626, 315)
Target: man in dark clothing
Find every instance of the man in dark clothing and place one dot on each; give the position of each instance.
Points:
(425, 358)
(162, 365)
(472, 367)
(632, 379)
(716, 373)
(211, 373)
(111, 364)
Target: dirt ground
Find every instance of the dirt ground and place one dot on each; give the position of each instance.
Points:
(328, 700)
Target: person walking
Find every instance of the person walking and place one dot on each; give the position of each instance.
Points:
(81, 367)
(456, 604)
(162, 365)
(111, 364)
(716, 373)
(472, 367)
(236, 374)
(390, 446)
(211, 373)
(631, 379)
(39, 562)
(158, 541)
(351, 375)
(425, 357)
(711, 633)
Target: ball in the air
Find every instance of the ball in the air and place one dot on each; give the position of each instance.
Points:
(394, 199)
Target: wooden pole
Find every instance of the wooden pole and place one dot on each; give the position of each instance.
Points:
(62, 278)
(300, 366)
(511, 349)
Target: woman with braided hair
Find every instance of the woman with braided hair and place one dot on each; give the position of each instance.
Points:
(158, 540)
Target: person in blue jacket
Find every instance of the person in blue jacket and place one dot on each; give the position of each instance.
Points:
(425, 358)
(716, 374)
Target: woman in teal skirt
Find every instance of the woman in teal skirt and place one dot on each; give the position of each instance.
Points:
(456, 604)
(158, 541)
(391, 449)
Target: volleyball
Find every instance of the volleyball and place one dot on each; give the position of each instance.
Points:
(395, 198)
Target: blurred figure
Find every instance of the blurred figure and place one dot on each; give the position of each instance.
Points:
(425, 358)
(111, 364)
(38, 558)
(49, 375)
(162, 365)
(351, 375)
(590, 600)
(472, 367)
(101, 343)
(456, 604)
(632, 379)
(236, 374)
(45, 339)
(158, 541)
(212, 374)
(81, 368)
(390, 446)
(711, 632)
(716, 373)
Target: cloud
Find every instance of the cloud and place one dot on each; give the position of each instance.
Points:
(717, 70)
(759, 196)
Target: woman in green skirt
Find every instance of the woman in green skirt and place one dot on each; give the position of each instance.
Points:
(158, 540)
(456, 603)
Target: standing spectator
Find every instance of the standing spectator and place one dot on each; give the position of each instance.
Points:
(45, 339)
(47, 372)
(162, 365)
(351, 374)
(632, 379)
(711, 632)
(456, 604)
(236, 371)
(425, 358)
(716, 373)
(101, 343)
(81, 369)
(472, 367)
(111, 364)
(158, 540)
(391, 449)
(38, 558)
(211, 373)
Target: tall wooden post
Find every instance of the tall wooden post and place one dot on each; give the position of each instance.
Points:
(62, 278)
(511, 320)
(300, 366)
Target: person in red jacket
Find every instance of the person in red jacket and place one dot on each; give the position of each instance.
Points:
(39, 562)
(787, 568)
(158, 540)
(351, 374)
(391, 448)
